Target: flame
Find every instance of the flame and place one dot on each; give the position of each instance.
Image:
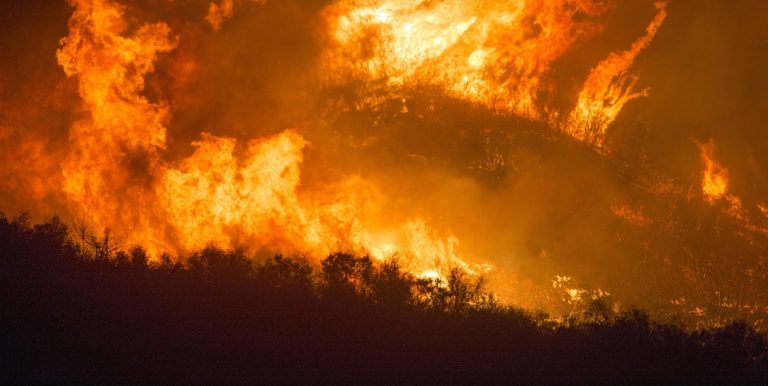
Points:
(496, 53)
(714, 181)
(215, 197)
(610, 86)
(117, 176)
(715, 186)
(116, 150)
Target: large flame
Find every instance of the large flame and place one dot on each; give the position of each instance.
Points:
(382, 127)
(116, 150)
(116, 174)
(496, 53)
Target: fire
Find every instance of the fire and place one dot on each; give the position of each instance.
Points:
(116, 151)
(714, 182)
(117, 176)
(496, 53)
(381, 124)
(610, 86)
(714, 188)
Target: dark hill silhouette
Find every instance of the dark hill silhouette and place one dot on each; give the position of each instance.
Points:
(81, 311)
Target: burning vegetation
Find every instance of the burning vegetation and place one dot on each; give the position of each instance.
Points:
(569, 154)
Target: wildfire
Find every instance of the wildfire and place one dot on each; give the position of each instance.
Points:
(384, 126)
(610, 86)
(714, 183)
(116, 174)
(714, 187)
(116, 150)
(496, 53)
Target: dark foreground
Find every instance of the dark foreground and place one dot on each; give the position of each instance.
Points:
(76, 310)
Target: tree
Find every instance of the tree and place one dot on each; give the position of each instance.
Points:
(463, 292)
(345, 275)
(390, 286)
(139, 258)
(286, 272)
(217, 264)
(100, 248)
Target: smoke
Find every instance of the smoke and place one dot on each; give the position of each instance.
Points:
(454, 150)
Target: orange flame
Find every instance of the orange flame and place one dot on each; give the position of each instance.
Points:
(116, 174)
(609, 87)
(714, 182)
(715, 187)
(116, 149)
(496, 53)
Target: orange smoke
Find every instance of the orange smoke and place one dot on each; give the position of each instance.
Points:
(496, 53)
(217, 13)
(223, 11)
(28, 165)
(116, 175)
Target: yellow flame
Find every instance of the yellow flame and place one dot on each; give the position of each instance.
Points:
(496, 53)
(116, 174)
(431, 274)
(714, 181)
(123, 127)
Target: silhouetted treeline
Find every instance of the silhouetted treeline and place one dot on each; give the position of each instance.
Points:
(77, 308)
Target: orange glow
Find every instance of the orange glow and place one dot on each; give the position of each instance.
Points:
(122, 126)
(443, 133)
(610, 86)
(496, 53)
(217, 13)
(116, 175)
(254, 201)
(631, 215)
(714, 182)
(222, 11)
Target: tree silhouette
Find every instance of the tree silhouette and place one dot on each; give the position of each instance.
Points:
(391, 287)
(345, 276)
(218, 264)
(281, 271)
(78, 313)
(139, 258)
